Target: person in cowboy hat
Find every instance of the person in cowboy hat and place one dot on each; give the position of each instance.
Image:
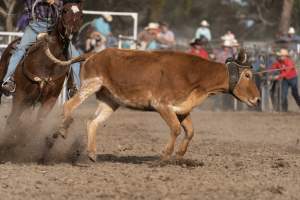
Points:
(197, 48)
(292, 36)
(203, 30)
(46, 12)
(288, 75)
(148, 37)
(224, 52)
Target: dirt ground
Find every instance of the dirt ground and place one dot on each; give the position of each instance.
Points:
(243, 155)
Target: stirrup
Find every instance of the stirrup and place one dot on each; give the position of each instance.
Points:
(72, 91)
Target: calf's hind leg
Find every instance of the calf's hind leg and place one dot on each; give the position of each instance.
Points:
(174, 124)
(186, 123)
(104, 111)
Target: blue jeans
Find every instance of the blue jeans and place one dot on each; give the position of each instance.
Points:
(29, 38)
(293, 83)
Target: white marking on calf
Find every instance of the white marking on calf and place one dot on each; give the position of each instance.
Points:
(90, 86)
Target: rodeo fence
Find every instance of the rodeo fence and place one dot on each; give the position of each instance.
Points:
(8, 37)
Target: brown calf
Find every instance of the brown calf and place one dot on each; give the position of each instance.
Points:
(169, 83)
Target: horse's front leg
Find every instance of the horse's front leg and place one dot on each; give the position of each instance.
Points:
(45, 109)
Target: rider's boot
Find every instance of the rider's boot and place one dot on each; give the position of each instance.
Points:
(8, 87)
(72, 91)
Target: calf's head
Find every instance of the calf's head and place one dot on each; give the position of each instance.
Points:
(241, 80)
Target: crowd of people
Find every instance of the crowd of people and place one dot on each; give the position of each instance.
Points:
(275, 70)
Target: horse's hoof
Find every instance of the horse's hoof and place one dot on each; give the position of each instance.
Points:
(42, 161)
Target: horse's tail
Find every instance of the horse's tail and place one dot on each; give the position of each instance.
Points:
(80, 58)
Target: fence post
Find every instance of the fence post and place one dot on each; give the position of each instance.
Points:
(280, 96)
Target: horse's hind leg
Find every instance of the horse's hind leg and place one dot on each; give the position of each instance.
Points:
(13, 121)
(89, 87)
(18, 107)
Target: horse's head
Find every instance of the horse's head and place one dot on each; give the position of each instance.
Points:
(70, 20)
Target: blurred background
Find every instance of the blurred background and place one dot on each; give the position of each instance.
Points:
(248, 19)
(211, 29)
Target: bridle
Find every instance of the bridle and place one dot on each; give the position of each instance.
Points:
(234, 73)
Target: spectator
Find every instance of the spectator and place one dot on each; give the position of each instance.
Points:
(288, 75)
(165, 37)
(203, 30)
(197, 48)
(102, 25)
(95, 42)
(225, 101)
(229, 36)
(292, 35)
(225, 52)
(148, 37)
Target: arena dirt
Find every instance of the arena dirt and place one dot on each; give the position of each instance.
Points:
(245, 155)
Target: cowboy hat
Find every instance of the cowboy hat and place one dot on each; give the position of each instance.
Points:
(204, 23)
(282, 52)
(197, 41)
(291, 30)
(227, 43)
(108, 17)
(152, 25)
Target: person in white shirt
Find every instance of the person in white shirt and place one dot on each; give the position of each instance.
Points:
(203, 30)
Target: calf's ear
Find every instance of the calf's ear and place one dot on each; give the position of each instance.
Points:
(242, 56)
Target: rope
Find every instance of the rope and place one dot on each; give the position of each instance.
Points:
(33, 14)
(272, 70)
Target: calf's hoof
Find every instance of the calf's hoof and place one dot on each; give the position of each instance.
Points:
(165, 157)
(83, 160)
(178, 156)
(92, 156)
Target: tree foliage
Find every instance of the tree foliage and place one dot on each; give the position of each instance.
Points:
(248, 19)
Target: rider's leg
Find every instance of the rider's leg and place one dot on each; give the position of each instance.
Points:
(28, 39)
(73, 52)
